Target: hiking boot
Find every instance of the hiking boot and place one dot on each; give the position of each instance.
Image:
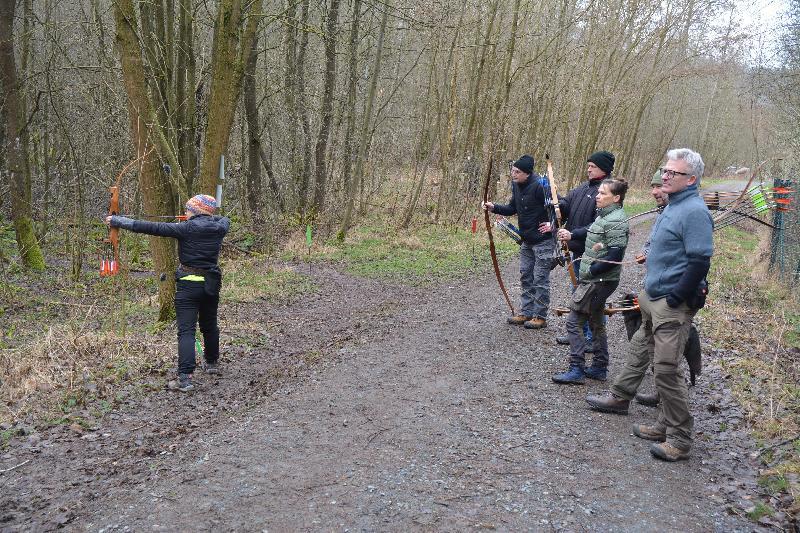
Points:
(182, 384)
(213, 368)
(518, 320)
(667, 452)
(562, 340)
(597, 373)
(650, 400)
(573, 376)
(535, 323)
(608, 403)
(648, 433)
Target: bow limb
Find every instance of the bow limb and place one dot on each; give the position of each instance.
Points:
(492, 250)
(110, 266)
(557, 215)
(113, 233)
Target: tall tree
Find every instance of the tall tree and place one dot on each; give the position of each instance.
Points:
(147, 70)
(16, 143)
(365, 127)
(253, 133)
(320, 150)
(158, 193)
(234, 30)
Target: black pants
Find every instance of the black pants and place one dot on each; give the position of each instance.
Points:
(192, 304)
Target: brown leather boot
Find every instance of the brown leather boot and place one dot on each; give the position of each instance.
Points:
(608, 403)
(668, 452)
(650, 400)
(518, 320)
(649, 433)
(536, 323)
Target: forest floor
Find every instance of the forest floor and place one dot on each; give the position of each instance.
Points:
(377, 405)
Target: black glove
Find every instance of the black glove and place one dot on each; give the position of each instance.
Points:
(673, 301)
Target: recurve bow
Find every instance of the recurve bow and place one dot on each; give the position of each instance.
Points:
(492, 250)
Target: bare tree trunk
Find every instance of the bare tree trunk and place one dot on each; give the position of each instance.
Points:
(362, 145)
(16, 146)
(352, 86)
(321, 168)
(290, 94)
(159, 197)
(253, 133)
(227, 68)
(423, 149)
(477, 79)
(302, 109)
(185, 119)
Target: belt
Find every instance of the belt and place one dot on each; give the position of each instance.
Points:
(194, 274)
(193, 270)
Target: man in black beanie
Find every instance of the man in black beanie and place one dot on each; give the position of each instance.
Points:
(536, 251)
(579, 209)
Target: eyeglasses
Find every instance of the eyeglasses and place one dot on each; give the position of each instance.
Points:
(672, 173)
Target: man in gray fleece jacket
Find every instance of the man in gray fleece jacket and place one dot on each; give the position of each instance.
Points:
(681, 247)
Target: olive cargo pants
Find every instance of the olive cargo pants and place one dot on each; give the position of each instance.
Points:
(662, 336)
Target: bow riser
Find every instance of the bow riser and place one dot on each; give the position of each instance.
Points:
(566, 256)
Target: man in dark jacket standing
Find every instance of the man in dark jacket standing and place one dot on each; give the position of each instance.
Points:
(536, 251)
(579, 208)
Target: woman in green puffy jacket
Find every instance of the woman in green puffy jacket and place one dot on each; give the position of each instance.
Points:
(606, 241)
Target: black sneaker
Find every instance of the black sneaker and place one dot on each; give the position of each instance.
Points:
(213, 368)
(182, 384)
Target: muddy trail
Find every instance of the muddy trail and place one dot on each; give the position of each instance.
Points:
(373, 405)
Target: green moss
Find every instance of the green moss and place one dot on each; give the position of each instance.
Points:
(28, 246)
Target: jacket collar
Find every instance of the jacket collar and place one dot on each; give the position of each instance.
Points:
(684, 194)
(608, 209)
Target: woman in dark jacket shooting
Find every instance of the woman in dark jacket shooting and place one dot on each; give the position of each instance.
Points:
(198, 279)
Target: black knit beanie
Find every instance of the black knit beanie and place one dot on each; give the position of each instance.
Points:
(524, 163)
(604, 160)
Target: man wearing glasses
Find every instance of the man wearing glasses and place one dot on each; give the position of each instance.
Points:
(680, 253)
(536, 251)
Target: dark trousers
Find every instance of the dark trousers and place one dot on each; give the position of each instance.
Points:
(192, 304)
(576, 321)
(587, 331)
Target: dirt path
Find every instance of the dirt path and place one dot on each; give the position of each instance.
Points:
(377, 406)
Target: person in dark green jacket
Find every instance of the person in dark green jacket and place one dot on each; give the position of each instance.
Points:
(606, 241)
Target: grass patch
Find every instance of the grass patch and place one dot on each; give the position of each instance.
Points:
(760, 510)
(73, 370)
(638, 201)
(755, 318)
(420, 254)
(248, 281)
